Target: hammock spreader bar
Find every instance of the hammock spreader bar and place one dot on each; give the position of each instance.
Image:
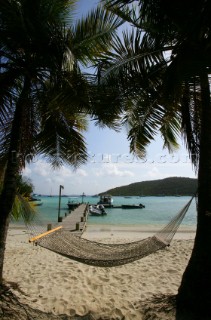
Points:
(44, 234)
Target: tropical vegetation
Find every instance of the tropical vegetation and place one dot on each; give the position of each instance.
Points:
(163, 67)
(172, 186)
(44, 96)
(22, 208)
(24, 186)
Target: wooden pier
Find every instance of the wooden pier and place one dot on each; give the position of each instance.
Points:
(75, 221)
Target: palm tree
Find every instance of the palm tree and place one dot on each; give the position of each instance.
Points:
(22, 208)
(164, 72)
(44, 97)
(24, 186)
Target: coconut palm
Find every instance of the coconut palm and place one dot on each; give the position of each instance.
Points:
(44, 97)
(22, 209)
(169, 64)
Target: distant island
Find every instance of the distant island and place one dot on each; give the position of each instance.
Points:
(173, 186)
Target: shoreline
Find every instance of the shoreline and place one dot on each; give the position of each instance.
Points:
(52, 283)
(93, 231)
(103, 230)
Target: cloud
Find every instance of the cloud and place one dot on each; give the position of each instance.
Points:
(43, 176)
(154, 173)
(42, 168)
(48, 180)
(81, 173)
(64, 172)
(113, 170)
(27, 172)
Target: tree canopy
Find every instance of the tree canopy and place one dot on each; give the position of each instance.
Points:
(163, 67)
(45, 97)
(24, 186)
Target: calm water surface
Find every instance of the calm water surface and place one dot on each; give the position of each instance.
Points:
(158, 210)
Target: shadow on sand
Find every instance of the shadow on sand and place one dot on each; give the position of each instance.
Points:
(163, 307)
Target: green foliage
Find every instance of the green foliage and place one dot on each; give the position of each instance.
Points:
(179, 34)
(45, 99)
(22, 210)
(175, 186)
(24, 186)
(159, 64)
(41, 51)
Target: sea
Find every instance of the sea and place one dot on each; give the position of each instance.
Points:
(157, 211)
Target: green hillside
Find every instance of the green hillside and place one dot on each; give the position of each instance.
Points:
(166, 187)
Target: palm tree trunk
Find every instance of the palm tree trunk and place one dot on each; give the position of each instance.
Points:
(13, 166)
(195, 291)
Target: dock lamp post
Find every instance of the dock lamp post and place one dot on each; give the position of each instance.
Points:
(83, 195)
(60, 191)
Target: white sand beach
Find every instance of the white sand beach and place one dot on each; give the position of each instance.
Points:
(56, 284)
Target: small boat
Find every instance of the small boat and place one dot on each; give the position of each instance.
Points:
(37, 204)
(106, 201)
(133, 206)
(98, 210)
(34, 199)
(72, 204)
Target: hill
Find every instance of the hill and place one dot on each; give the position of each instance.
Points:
(166, 187)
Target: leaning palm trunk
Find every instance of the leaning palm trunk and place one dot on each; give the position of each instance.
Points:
(195, 290)
(7, 197)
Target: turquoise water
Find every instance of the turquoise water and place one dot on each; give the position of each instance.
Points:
(158, 210)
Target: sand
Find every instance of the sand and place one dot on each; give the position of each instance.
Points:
(56, 284)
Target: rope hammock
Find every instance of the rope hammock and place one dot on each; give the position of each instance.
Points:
(93, 253)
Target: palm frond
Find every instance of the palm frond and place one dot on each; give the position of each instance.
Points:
(60, 139)
(106, 103)
(126, 10)
(191, 119)
(92, 36)
(136, 52)
(22, 210)
(170, 130)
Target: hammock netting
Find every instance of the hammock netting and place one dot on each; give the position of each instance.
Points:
(98, 254)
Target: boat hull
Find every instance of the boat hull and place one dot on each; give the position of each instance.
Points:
(106, 201)
(72, 206)
(133, 206)
(96, 211)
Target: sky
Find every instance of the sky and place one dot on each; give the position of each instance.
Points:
(110, 164)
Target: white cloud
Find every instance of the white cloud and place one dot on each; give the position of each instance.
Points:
(154, 173)
(81, 173)
(48, 180)
(27, 172)
(64, 172)
(42, 168)
(113, 170)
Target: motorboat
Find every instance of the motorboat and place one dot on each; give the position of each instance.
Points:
(97, 210)
(106, 201)
(133, 206)
(33, 199)
(37, 204)
(72, 204)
